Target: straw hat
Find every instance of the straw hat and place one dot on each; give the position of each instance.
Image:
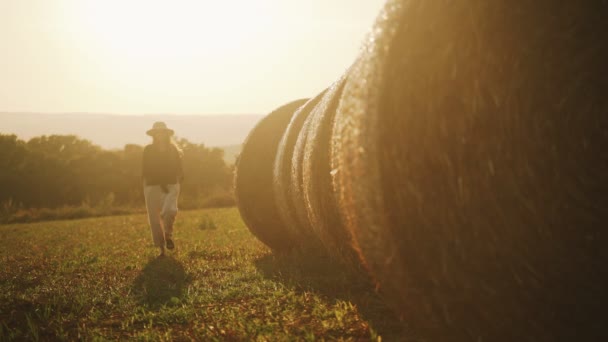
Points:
(159, 127)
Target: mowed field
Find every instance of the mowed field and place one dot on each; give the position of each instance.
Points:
(101, 278)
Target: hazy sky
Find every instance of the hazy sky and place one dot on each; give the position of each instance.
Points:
(174, 56)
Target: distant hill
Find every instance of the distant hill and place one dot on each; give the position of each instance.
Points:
(231, 152)
(114, 131)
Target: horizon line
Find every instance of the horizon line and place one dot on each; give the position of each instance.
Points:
(128, 114)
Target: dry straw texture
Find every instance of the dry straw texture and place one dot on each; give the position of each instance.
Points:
(469, 144)
(319, 198)
(286, 184)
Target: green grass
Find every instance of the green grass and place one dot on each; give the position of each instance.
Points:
(100, 278)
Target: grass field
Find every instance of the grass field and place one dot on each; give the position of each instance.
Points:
(101, 278)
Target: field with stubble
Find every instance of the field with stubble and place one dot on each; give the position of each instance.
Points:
(101, 278)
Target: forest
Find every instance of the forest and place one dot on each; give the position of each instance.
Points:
(65, 171)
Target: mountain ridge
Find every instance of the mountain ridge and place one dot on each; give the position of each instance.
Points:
(114, 131)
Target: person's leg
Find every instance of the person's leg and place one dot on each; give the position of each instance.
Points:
(154, 206)
(169, 212)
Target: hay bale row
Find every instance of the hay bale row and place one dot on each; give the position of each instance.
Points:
(463, 158)
(320, 201)
(285, 186)
(254, 181)
(300, 210)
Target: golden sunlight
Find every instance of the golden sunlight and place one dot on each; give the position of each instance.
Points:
(174, 56)
(169, 31)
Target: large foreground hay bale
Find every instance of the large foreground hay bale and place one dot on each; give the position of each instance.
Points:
(253, 179)
(287, 183)
(470, 149)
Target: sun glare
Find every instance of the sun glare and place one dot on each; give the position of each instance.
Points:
(170, 31)
(187, 56)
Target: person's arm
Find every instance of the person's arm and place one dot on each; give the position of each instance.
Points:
(180, 168)
(145, 165)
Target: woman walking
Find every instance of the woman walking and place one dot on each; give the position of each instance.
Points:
(162, 172)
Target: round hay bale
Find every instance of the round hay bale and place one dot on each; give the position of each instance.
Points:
(470, 150)
(296, 183)
(253, 179)
(285, 187)
(317, 191)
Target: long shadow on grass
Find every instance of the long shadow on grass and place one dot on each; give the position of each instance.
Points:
(160, 282)
(329, 279)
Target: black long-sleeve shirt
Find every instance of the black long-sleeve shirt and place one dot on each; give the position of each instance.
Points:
(161, 167)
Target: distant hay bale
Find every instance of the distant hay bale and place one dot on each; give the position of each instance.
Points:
(253, 179)
(286, 186)
(319, 197)
(470, 150)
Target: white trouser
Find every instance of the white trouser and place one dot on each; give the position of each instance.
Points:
(162, 209)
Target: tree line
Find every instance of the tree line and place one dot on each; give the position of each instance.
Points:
(65, 170)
